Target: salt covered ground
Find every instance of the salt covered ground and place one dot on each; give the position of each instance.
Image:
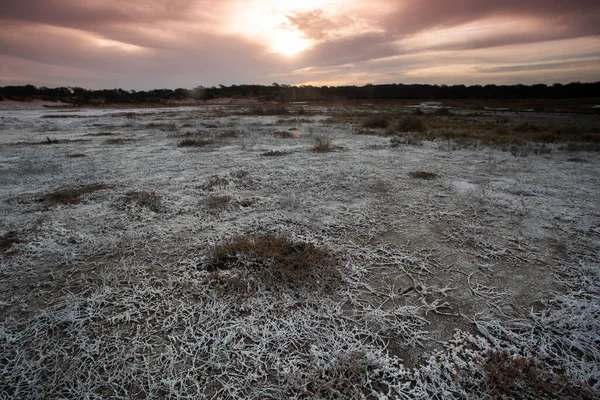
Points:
(112, 297)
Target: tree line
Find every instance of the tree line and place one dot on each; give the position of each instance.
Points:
(284, 93)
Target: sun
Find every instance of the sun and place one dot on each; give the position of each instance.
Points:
(288, 43)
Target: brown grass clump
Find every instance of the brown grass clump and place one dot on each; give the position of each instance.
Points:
(6, 242)
(377, 121)
(195, 142)
(410, 123)
(284, 134)
(276, 261)
(71, 195)
(322, 144)
(218, 202)
(147, 199)
(275, 153)
(423, 175)
(514, 376)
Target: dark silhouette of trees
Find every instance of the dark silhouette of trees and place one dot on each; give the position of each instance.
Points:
(283, 92)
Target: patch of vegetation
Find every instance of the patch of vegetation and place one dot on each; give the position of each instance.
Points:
(380, 121)
(423, 175)
(396, 141)
(76, 155)
(218, 202)
(102, 134)
(148, 199)
(514, 376)
(215, 181)
(276, 261)
(322, 144)
(577, 159)
(195, 142)
(275, 153)
(6, 242)
(409, 123)
(71, 195)
(284, 134)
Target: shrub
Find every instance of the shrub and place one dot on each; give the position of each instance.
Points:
(410, 123)
(377, 121)
(322, 144)
(276, 261)
(423, 175)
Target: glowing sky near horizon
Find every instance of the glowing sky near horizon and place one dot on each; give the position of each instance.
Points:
(144, 44)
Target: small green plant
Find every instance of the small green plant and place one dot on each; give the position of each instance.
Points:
(322, 144)
(423, 175)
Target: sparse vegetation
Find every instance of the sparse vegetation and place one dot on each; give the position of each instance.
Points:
(76, 155)
(322, 144)
(423, 175)
(71, 195)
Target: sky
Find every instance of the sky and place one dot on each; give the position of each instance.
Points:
(147, 44)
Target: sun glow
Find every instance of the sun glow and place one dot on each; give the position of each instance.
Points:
(288, 43)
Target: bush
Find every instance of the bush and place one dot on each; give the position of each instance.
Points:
(218, 202)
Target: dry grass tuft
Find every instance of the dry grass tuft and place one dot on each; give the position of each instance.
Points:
(423, 175)
(276, 261)
(377, 121)
(76, 155)
(322, 144)
(148, 199)
(410, 123)
(6, 242)
(275, 153)
(215, 181)
(514, 376)
(284, 134)
(195, 142)
(218, 202)
(71, 195)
